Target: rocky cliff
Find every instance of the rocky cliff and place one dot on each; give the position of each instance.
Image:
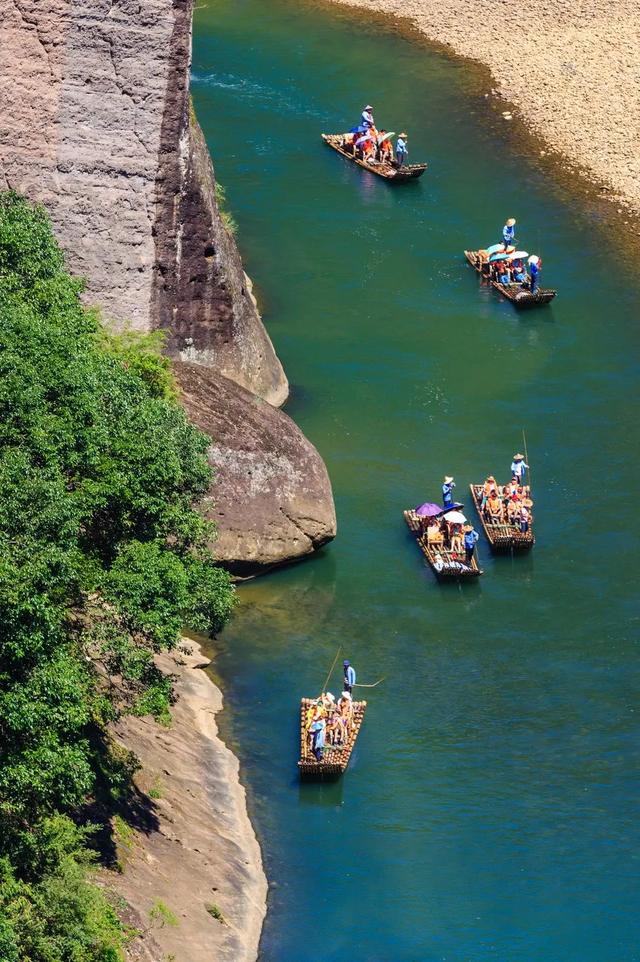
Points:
(97, 125)
(94, 100)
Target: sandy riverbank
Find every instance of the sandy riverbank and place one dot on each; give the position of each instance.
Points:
(191, 846)
(572, 69)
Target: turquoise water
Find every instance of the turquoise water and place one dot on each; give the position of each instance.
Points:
(490, 810)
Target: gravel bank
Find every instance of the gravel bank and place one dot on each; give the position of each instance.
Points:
(189, 851)
(572, 69)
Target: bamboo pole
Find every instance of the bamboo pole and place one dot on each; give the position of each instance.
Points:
(526, 457)
(324, 687)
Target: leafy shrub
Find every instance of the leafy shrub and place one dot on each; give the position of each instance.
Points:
(103, 560)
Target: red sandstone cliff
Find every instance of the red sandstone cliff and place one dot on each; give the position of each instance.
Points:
(94, 100)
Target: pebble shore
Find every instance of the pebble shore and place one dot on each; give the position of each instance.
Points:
(571, 68)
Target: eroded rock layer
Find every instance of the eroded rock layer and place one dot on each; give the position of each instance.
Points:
(94, 100)
(272, 495)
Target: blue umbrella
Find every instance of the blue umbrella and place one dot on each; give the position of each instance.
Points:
(495, 248)
(453, 507)
(499, 257)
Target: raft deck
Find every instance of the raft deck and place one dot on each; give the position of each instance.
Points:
(335, 758)
(455, 565)
(387, 171)
(502, 536)
(514, 292)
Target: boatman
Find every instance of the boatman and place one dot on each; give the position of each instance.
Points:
(535, 264)
(470, 541)
(367, 117)
(401, 149)
(317, 738)
(518, 467)
(447, 492)
(349, 675)
(509, 233)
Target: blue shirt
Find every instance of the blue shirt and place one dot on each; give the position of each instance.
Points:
(508, 233)
(535, 270)
(446, 492)
(401, 146)
(518, 468)
(317, 730)
(350, 675)
(367, 118)
(470, 538)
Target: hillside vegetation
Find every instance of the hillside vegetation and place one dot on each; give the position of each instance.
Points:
(103, 561)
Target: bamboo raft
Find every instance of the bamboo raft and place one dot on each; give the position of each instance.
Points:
(335, 758)
(390, 172)
(454, 564)
(502, 536)
(514, 292)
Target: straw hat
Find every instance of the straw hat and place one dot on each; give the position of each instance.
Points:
(467, 527)
(330, 696)
(403, 134)
(534, 259)
(447, 479)
(511, 222)
(518, 457)
(368, 107)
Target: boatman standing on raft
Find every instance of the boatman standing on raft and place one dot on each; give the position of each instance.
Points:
(470, 539)
(349, 675)
(535, 264)
(318, 730)
(518, 467)
(367, 117)
(401, 149)
(447, 492)
(509, 233)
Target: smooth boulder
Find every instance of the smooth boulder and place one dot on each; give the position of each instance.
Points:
(272, 494)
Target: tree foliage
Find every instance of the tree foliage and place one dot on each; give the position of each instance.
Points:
(103, 560)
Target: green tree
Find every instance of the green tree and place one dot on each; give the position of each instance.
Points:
(103, 561)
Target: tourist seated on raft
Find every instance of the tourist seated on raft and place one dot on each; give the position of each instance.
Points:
(513, 509)
(494, 509)
(434, 534)
(348, 142)
(457, 539)
(488, 486)
(344, 715)
(385, 148)
(519, 271)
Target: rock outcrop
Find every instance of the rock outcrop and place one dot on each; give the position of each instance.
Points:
(94, 101)
(272, 495)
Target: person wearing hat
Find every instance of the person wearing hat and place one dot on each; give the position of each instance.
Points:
(518, 467)
(509, 233)
(447, 492)
(535, 265)
(349, 675)
(318, 729)
(367, 117)
(401, 149)
(470, 540)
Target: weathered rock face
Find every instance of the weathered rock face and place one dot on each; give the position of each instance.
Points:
(94, 107)
(273, 500)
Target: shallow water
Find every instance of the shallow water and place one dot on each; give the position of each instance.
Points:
(490, 809)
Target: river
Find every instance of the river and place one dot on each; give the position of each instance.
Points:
(490, 809)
